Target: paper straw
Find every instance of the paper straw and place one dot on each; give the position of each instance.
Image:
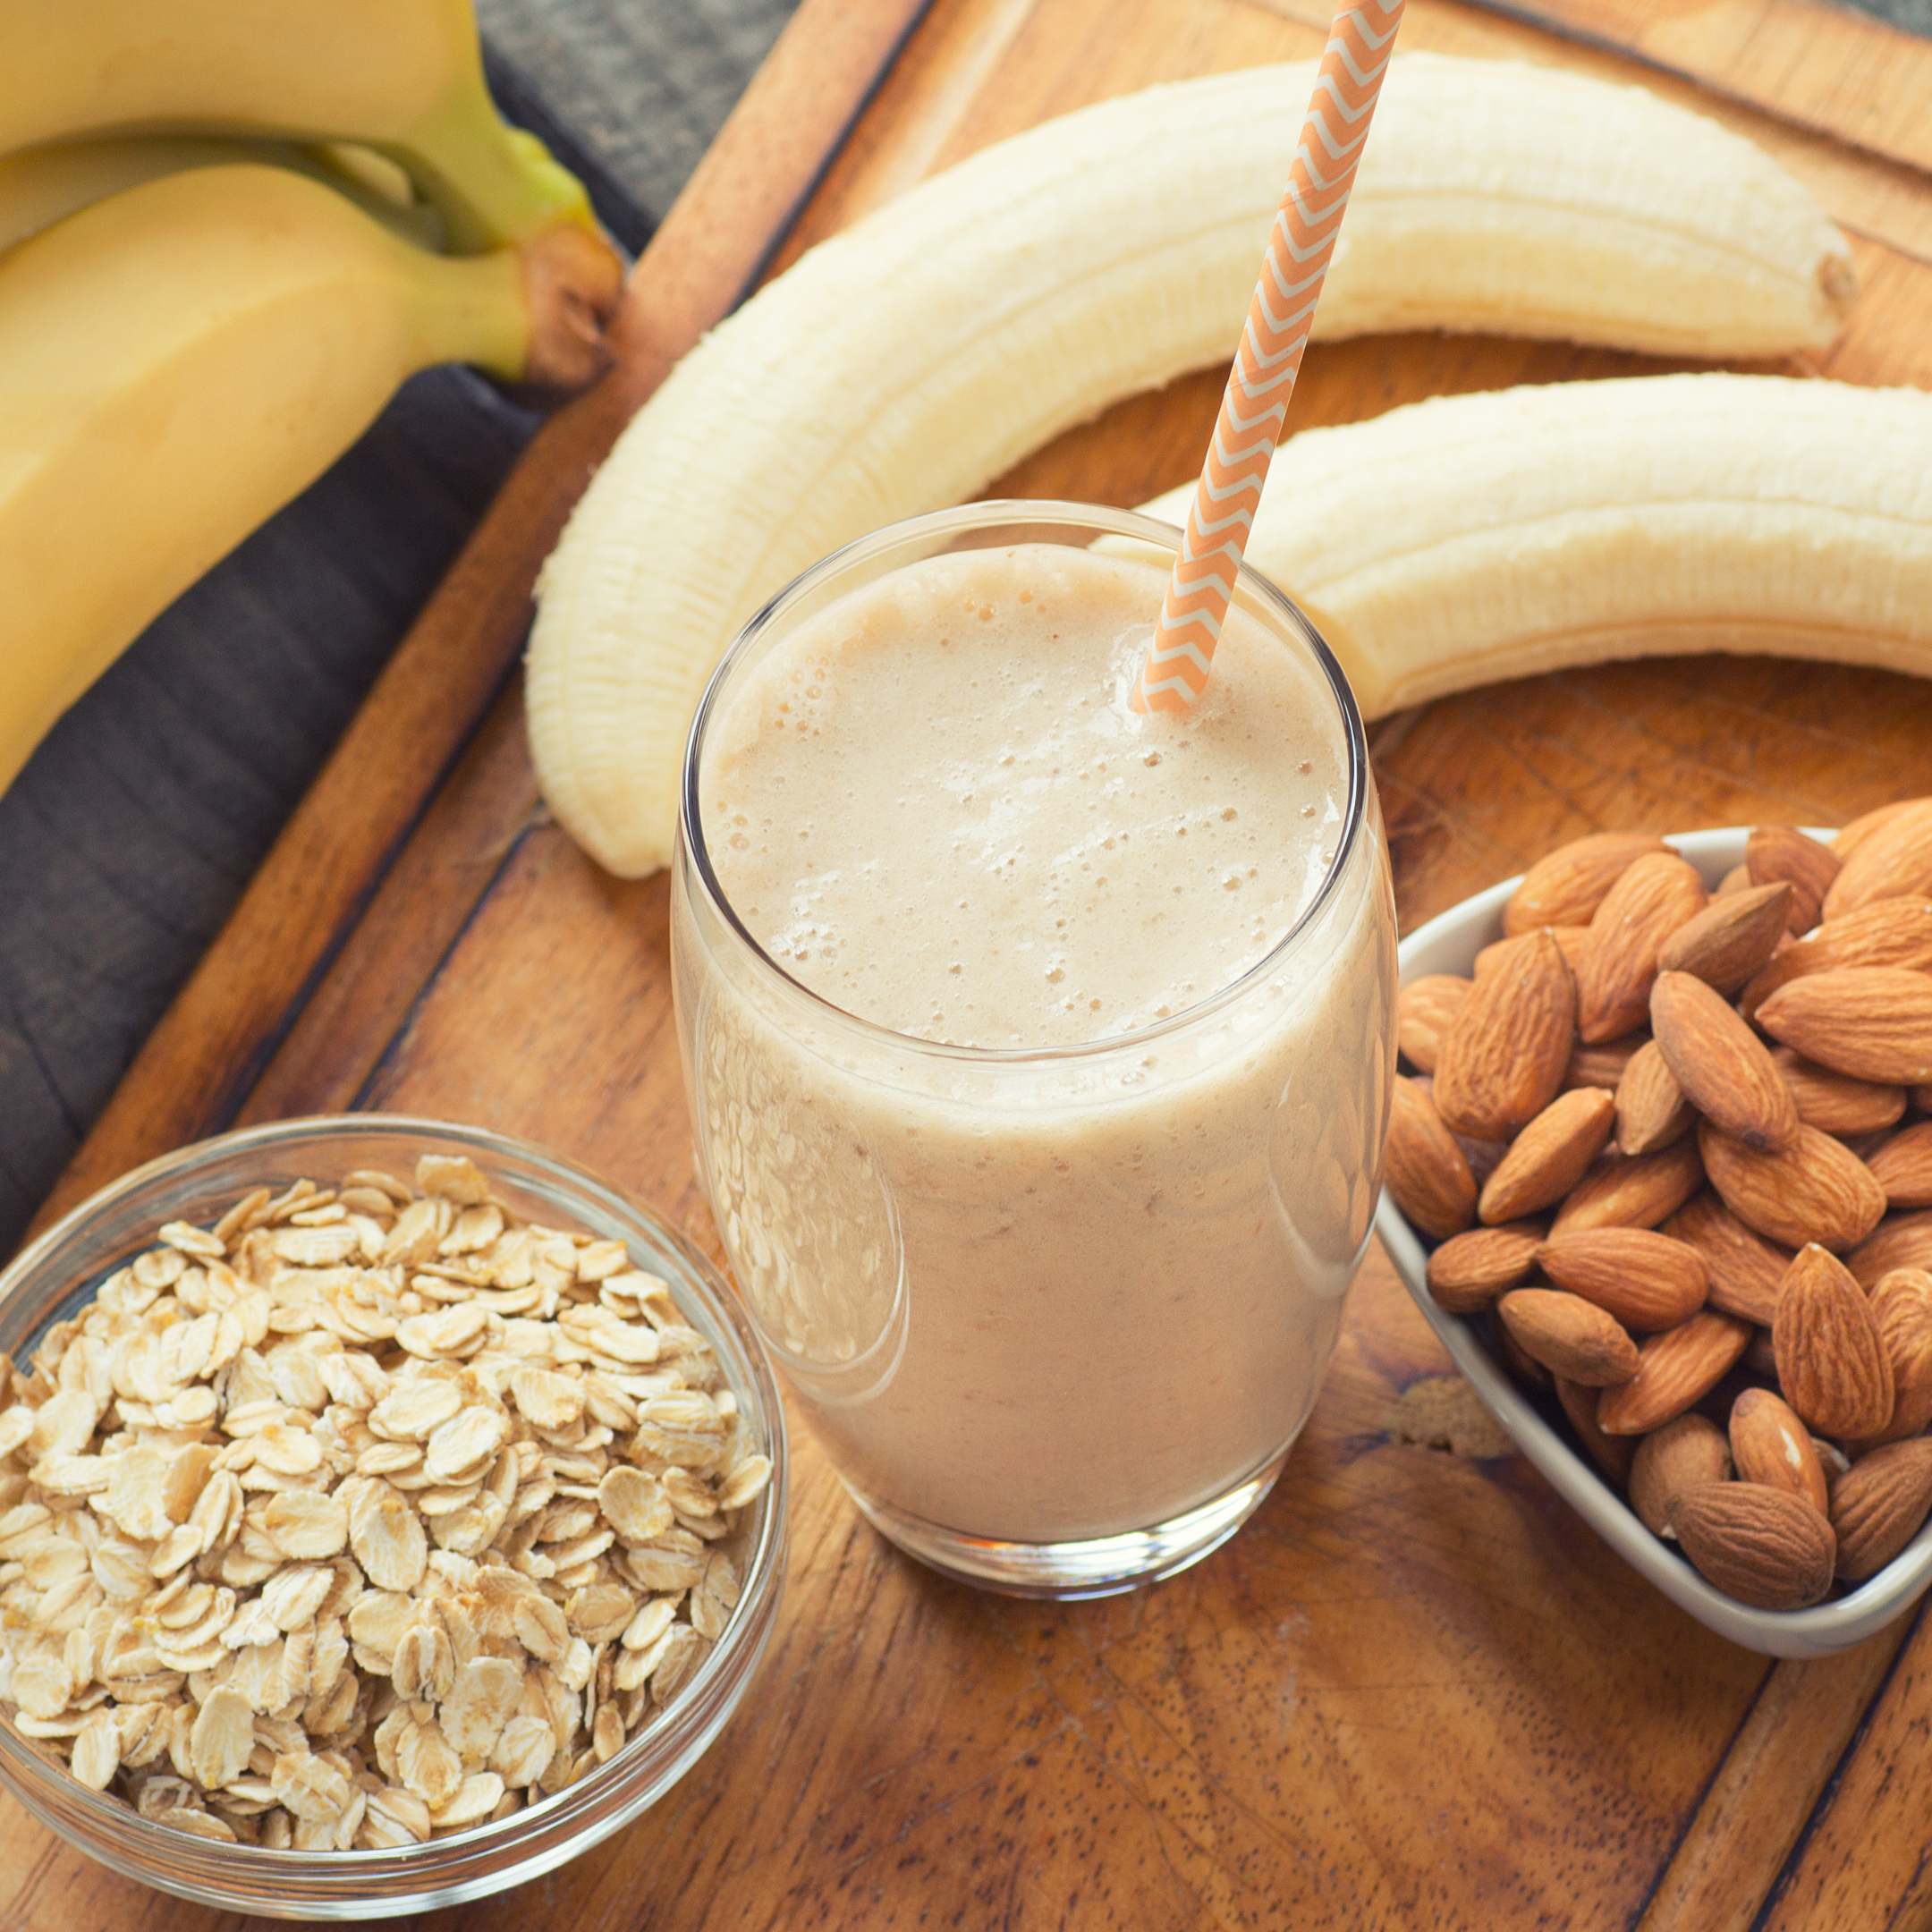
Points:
(1255, 404)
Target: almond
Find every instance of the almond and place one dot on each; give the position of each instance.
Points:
(1427, 1173)
(1469, 1271)
(1851, 836)
(1565, 887)
(1423, 1011)
(1549, 1156)
(1816, 1191)
(1878, 1505)
(1745, 1270)
(1637, 1192)
(1651, 1110)
(1903, 1167)
(1681, 1456)
(1763, 1546)
(1900, 1241)
(1921, 1097)
(1648, 903)
(1646, 1280)
(1726, 1070)
(1571, 1337)
(1872, 1022)
(1782, 854)
(1893, 862)
(1836, 1102)
(1732, 938)
(1674, 1370)
(1831, 1365)
(1606, 1065)
(1527, 1370)
(1569, 942)
(1902, 1307)
(1503, 1058)
(1484, 1157)
(1736, 880)
(1896, 932)
(1771, 1445)
(1612, 1455)
(1500, 952)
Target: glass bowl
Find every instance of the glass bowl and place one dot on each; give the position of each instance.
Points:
(55, 1276)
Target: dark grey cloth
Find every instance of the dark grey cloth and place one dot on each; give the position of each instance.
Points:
(1913, 14)
(643, 84)
(127, 839)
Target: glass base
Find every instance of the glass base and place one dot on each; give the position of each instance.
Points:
(1091, 1566)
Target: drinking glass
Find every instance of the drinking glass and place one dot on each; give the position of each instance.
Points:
(1058, 1316)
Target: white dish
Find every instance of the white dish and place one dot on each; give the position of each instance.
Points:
(1449, 945)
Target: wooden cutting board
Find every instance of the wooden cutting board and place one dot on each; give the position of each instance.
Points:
(1415, 1691)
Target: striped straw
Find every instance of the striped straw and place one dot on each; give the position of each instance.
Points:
(1175, 671)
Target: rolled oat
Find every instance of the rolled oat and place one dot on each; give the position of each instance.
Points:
(368, 1514)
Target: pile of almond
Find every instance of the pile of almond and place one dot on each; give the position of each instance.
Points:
(1676, 1148)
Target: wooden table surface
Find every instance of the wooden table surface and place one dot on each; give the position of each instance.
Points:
(1415, 1691)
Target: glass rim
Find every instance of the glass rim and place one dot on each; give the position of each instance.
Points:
(557, 1825)
(991, 513)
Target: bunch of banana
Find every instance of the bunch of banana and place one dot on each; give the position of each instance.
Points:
(1022, 291)
(403, 77)
(219, 232)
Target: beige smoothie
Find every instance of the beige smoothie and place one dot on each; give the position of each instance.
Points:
(1061, 1252)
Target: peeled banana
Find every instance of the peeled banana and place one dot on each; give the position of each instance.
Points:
(1473, 537)
(900, 365)
(179, 360)
(404, 76)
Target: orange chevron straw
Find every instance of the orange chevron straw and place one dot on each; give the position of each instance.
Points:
(1175, 671)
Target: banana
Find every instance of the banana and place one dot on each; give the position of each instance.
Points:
(402, 76)
(900, 365)
(179, 360)
(1474, 537)
(39, 186)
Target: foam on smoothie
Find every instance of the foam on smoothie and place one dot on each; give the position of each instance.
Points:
(931, 805)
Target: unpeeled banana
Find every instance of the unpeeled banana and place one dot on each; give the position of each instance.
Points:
(402, 76)
(180, 359)
(39, 186)
(899, 366)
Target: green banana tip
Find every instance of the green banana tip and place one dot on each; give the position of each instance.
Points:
(566, 194)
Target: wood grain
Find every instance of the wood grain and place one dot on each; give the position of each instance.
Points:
(1413, 1691)
(1857, 79)
(1864, 1861)
(1766, 1790)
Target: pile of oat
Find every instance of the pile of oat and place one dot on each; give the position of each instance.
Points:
(369, 1515)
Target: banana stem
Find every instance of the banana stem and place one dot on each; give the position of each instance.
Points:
(473, 308)
(531, 314)
(495, 185)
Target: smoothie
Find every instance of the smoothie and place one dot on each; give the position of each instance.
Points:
(1061, 1252)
